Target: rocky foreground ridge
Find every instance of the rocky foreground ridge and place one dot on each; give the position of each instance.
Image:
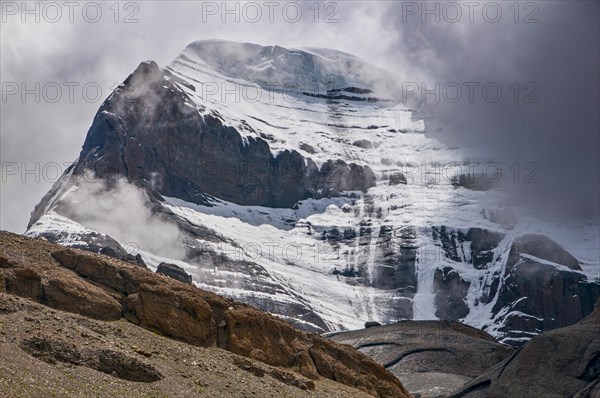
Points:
(113, 297)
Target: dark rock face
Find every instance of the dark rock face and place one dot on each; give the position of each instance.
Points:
(481, 243)
(541, 290)
(543, 298)
(147, 133)
(392, 252)
(307, 148)
(450, 290)
(398, 271)
(560, 363)
(541, 246)
(399, 259)
(174, 272)
(397, 178)
(398, 251)
(431, 357)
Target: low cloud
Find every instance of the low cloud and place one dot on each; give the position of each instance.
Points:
(121, 210)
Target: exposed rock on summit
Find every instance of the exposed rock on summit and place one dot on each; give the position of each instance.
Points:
(146, 131)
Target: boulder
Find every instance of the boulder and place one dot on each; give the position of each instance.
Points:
(397, 179)
(371, 324)
(364, 144)
(308, 148)
(75, 295)
(174, 272)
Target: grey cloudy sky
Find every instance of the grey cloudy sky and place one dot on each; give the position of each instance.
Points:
(558, 50)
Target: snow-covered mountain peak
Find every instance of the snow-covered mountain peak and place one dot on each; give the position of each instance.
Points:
(314, 70)
(327, 206)
(321, 103)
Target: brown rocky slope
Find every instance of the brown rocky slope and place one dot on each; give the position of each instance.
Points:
(49, 353)
(107, 289)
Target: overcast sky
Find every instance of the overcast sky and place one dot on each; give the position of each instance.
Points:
(554, 46)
